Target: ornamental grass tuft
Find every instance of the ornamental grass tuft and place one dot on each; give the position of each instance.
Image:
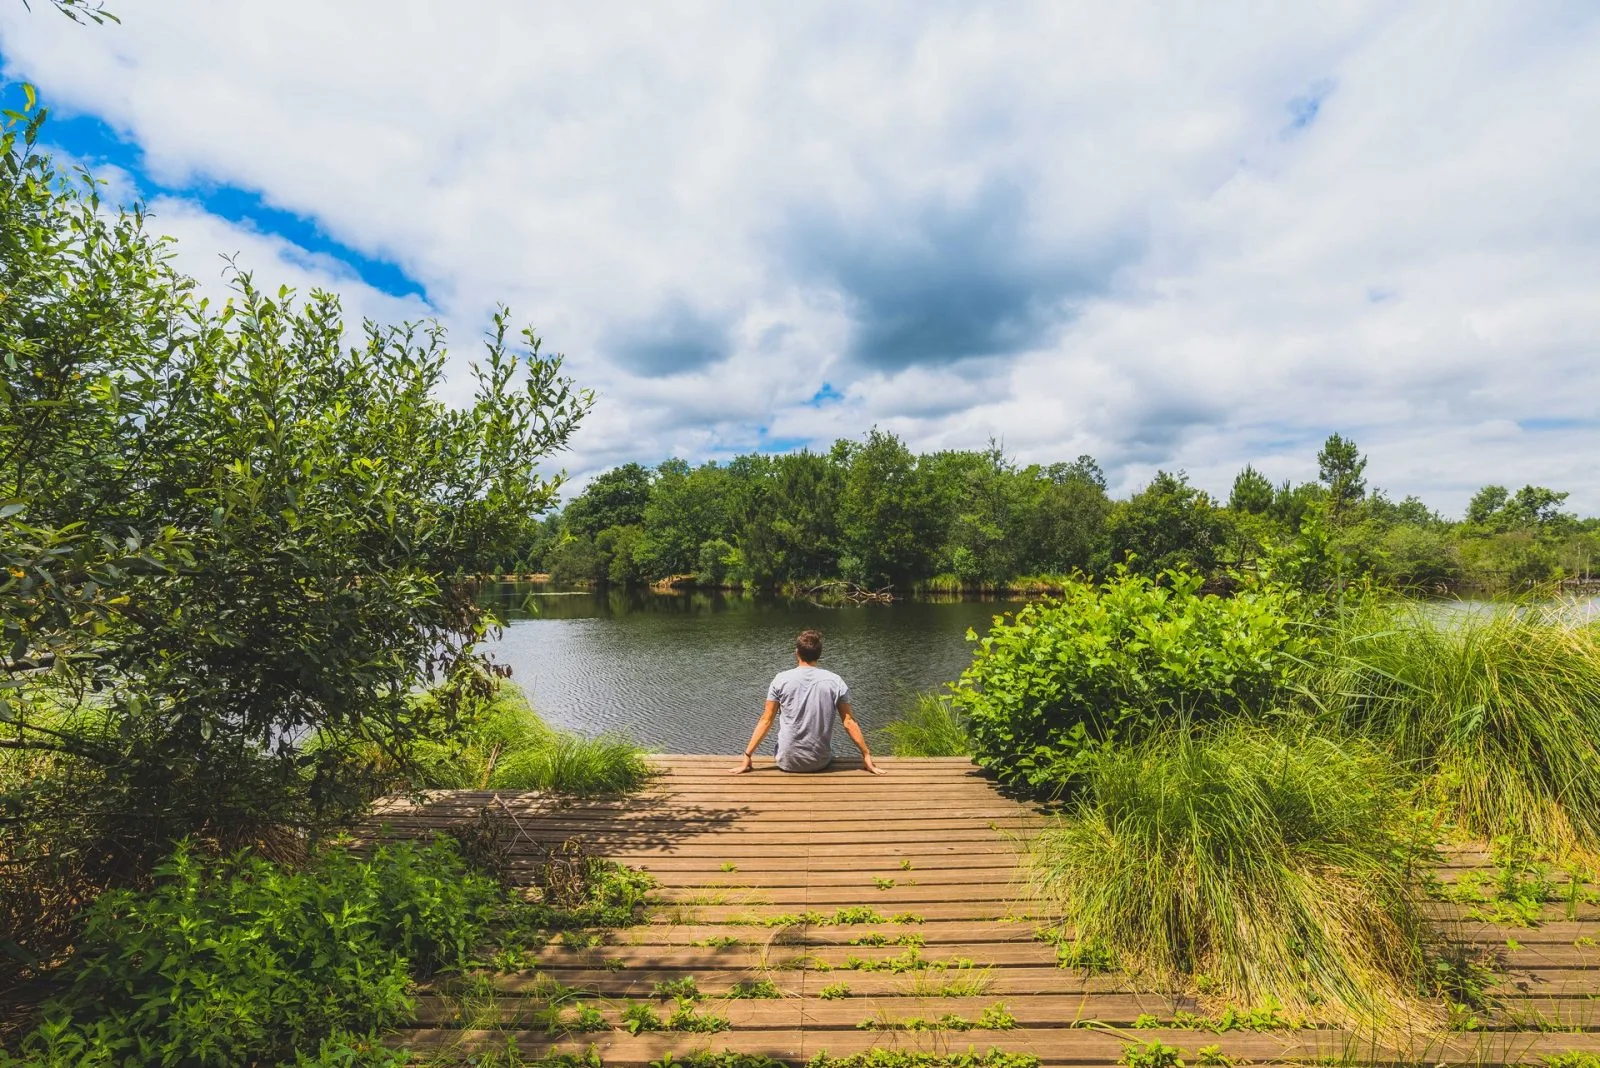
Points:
(1276, 865)
(1500, 708)
(931, 727)
(506, 746)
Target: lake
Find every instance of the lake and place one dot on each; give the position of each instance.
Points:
(688, 672)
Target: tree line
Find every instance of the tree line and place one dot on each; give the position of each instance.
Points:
(871, 511)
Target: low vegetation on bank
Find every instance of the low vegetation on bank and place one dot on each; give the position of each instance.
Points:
(1254, 785)
(502, 744)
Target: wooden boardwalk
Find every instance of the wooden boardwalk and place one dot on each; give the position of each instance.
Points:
(757, 871)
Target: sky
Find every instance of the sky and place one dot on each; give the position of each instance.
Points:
(1170, 236)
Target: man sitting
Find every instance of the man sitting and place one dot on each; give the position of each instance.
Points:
(807, 697)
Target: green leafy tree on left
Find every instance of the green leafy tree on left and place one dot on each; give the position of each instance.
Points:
(234, 541)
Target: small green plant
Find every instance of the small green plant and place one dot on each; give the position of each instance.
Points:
(1463, 976)
(729, 866)
(753, 988)
(638, 1017)
(1213, 1056)
(1151, 1055)
(687, 1018)
(683, 988)
(613, 964)
(1092, 954)
(585, 1018)
(890, 1057)
(834, 991)
(1573, 1059)
(905, 863)
(855, 914)
(717, 942)
(879, 938)
(883, 882)
(962, 982)
(1146, 1022)
(704, 1058)
(905, 917)
(996, 1018)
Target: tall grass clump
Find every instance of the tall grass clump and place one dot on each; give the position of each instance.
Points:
(1500, 708)
(504, 745)
(931, 727)
(1275, 866)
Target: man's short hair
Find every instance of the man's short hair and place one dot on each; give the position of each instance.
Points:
(809, 646)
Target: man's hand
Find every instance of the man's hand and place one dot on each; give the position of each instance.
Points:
(744, 765)
(870, 768)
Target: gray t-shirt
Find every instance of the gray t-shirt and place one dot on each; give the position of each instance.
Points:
(808, 703)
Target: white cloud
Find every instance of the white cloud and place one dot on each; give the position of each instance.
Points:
(1111, 203)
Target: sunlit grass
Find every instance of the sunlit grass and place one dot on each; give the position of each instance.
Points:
(1500, 707)
(931, 727)
(505, 745)
(1275, 865)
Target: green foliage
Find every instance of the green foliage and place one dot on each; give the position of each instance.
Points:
(1501, 707)
(687, 1018)
(227, 531)
(753, 989)
(893, 1057)
(503, 745)
(931, 727)
(1340, 467)
(235, 961)
(1151, 1055)
(834, 991)
(638, 1017)
(683, 988)
(1276, 865)
(1116, 662)
(1169, 524)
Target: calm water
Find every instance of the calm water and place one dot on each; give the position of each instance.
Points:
(687, 673)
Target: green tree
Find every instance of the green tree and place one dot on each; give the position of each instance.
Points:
(228, 533)
(1340, 467)
(1167, 525)
(1061, 515)
(1252, 493)
(616, 498)
(688, 507)
(1486, 505)
(888, 518)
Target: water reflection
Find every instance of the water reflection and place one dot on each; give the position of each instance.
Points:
(687, 672)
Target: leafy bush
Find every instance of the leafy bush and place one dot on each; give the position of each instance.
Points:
(1277, 866)
(1117, 662)
(1501, 707)
(931, 727)
(242, 961)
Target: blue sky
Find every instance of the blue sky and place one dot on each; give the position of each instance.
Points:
(1181, 239)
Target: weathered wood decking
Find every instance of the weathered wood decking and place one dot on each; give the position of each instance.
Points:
(932, 838)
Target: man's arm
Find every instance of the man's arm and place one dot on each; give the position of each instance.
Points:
(853, 729)
(762, 727)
